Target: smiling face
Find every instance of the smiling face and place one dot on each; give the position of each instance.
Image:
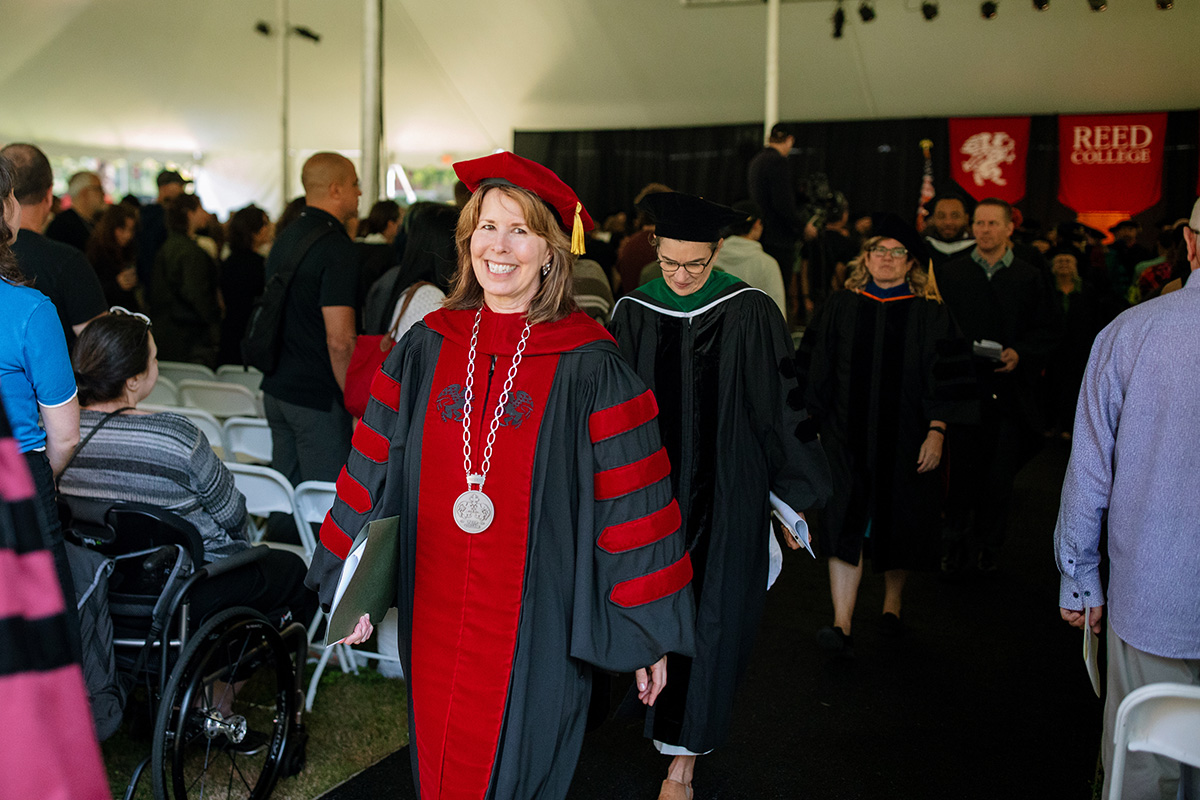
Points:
(1064, 266)
(886, 269)
(949, 219)
(680, 254)
(506, 256)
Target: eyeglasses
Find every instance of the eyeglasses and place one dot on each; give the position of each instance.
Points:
(692, 267)
(121, 311)
(894, 252)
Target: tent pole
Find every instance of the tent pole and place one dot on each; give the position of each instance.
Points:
(372, 103)
(285, 162)
(771, 115)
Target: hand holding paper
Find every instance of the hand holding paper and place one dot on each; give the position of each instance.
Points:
(367, 587)
(795, 525)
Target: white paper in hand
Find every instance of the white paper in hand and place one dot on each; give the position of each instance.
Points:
(775, 565)
(792, 521)
(1091, 644)
(348, 568)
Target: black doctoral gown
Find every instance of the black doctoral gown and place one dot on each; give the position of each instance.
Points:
(875, 374)
(583, 563)
(734, 425)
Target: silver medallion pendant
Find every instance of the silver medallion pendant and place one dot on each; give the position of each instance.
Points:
(473, 511)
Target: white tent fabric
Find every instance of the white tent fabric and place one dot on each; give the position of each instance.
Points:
(195, 80)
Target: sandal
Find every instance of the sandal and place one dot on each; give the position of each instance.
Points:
(674, 790)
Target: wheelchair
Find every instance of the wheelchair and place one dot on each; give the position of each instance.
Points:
(226, 700)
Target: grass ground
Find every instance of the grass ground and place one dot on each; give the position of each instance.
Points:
(356, 720)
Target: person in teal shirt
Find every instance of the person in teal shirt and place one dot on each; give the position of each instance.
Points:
(718, 356)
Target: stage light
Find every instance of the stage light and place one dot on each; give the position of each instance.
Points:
(839, 21)
(987, 10)
(929, 9)
(1098, 5)
(866, 10)
(1041, 5)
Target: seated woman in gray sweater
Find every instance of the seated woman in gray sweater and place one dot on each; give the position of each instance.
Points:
(163, 459)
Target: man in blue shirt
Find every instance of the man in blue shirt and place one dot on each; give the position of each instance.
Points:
(1134, 455)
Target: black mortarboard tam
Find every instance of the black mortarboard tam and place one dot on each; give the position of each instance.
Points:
(688, 218)
(891, 226)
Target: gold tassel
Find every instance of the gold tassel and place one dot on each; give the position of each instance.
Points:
(577, 246)
(931, 289)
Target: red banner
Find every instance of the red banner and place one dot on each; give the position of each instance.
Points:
(1111, 163)
(987, 156)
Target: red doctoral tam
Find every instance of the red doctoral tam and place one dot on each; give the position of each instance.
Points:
(505, 168)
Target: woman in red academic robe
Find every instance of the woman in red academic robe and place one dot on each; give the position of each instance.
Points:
(540, 536)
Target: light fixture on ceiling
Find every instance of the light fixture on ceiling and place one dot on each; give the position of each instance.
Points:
(839, 20)
(929, 9)
(1098, 5)
(988, 10)
(1041, 5)
(866, 10)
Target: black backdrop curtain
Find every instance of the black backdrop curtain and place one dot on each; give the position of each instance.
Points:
(876, 163)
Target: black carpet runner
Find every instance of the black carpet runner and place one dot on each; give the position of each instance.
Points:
(984, 696)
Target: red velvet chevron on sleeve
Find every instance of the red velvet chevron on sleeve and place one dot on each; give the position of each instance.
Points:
(334, 538)
(386, 390)
(642, 531)
(618, 419)
(353, 493)
(370, 443)
(655, 586)
(630, 478)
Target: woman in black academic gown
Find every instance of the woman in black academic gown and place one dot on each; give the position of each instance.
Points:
(884, 375)
(718, 357)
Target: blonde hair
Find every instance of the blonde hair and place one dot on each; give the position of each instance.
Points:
(555, 298)
(917, 278)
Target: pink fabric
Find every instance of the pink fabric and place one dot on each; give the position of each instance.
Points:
(15, 482)
(29, 585)
(48, 748)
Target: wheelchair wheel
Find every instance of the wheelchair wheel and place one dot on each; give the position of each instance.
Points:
(224, 720)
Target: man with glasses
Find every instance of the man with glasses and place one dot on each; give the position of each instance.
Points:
(74, 225)
(718, 357)
(1006, 307)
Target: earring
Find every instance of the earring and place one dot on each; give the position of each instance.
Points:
(545, 269)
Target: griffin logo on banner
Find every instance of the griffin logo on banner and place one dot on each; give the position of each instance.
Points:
(988, 156)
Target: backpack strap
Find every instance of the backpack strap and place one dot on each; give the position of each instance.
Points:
(92, 433)
(288, 270)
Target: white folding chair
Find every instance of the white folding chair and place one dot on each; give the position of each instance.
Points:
(183, 371)
(267, 492)
(249, 438)
(164, 393)
(203, 420)
(313, 501)
(220, 399)
(1162, 718)
(249, 377)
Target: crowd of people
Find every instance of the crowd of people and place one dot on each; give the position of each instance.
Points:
(639, 388)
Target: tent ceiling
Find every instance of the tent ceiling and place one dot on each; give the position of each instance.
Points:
(461, 75)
